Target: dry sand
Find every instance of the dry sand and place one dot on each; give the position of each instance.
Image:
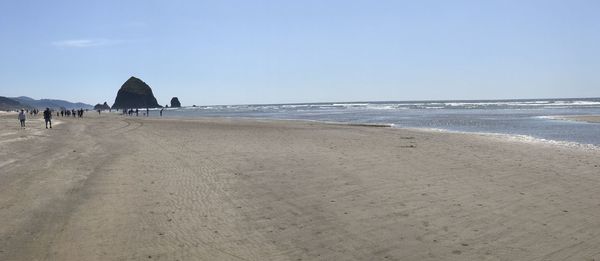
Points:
(116, 188)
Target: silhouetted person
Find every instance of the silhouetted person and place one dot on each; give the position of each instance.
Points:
(147, 112)
(48, 117)
(137, 112)
(22, 118)
(161, 110)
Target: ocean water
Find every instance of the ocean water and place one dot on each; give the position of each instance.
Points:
(518, 118)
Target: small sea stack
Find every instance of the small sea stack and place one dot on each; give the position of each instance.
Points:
(175, 103)
(102, 107)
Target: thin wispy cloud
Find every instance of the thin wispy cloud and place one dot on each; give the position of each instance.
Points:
(85, 43)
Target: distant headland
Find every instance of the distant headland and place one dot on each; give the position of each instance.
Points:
(23, 102)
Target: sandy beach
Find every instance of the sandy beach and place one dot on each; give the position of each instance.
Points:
(124, 188)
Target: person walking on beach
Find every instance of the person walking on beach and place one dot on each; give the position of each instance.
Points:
(161, 110)
(22, 118)
(48, 117)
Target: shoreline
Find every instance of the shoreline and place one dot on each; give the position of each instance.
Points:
(114, 188)
(527, 139)
(593, 119)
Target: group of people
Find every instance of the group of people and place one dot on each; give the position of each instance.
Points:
(137, 112)
(68, 113)
(33, 112)
(48, 115)
(73, 112)
(131, 112)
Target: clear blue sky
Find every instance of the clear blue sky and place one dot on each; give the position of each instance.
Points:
(239, 52)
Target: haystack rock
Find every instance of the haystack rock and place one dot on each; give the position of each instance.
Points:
(135, 93)
(175, 103)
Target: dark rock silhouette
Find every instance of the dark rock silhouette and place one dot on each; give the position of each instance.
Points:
(175, 103)
(135, 93)
(102, 107)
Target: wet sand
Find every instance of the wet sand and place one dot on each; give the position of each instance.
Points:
(120, 188)
(587, 118)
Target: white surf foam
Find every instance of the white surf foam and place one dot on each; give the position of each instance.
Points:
(517, 138)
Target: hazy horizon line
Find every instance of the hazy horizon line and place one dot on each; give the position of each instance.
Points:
(349, 101)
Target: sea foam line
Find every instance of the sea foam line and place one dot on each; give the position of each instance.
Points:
(516, 138)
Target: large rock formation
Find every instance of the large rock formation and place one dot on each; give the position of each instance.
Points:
(175, 103)
(135, 93)
(102, 107)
